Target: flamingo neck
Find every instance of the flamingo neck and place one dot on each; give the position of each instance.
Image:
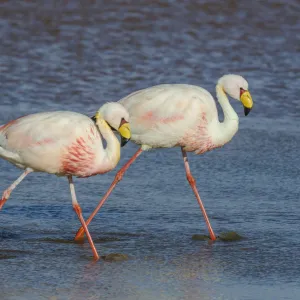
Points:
(112, 150)
(229, 127)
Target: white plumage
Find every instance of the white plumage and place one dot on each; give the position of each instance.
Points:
(66, 144)
(166, 113)
(179, 115)
(41, 141)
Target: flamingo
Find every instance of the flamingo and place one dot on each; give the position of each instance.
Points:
(180, 115)
(67, 144)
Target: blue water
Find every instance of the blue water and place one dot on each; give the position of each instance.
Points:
(76, 55)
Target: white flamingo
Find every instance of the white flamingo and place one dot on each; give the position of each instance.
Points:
(65, 144)
(180, 115)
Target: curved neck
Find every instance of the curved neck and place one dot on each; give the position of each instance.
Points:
(229, 112)
(229, 127)
(112, 150)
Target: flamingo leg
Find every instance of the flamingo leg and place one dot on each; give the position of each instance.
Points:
(80, 233)
(192, 183)
(8, 191)
(78, 211)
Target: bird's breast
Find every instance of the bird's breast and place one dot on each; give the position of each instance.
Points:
(81, 156)
(198, 138)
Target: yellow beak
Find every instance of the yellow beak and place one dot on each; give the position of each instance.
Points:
(247, 101)
(125, 133)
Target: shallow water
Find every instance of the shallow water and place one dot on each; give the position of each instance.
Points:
(75, 55)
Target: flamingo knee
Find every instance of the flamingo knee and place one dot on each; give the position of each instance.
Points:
(6, 194)
(4, 198)
(191, 179)
(119, 176)
(77, 209)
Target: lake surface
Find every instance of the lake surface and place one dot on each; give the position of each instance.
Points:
(76, 55)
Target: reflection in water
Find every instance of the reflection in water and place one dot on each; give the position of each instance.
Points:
(76, 55)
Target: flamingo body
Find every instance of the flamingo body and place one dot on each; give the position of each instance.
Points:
(66, 144)
(61, 143)
(171, 115)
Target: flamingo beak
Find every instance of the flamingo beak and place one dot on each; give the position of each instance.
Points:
(246, 100)
(125, 133)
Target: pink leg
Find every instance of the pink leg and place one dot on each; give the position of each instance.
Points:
(7, 192)
(118, 178)
(192, 182)
(77, 209)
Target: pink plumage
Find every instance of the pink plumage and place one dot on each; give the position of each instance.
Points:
(66, 144)
(186, 116)
(50, 142)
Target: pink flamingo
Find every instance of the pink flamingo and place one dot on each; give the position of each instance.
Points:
(65, 144)
(179, 115)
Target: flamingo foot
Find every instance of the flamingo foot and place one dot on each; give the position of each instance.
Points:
(77, 209)
(79, 235)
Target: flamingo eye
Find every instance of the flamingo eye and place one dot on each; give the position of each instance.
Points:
(242, 91)
(123, 121)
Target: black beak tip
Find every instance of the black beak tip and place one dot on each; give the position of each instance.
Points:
(124, 141)
(93, 118)
(247, 110)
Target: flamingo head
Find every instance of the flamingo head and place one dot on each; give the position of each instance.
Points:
(117, 117)
(237, 87)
